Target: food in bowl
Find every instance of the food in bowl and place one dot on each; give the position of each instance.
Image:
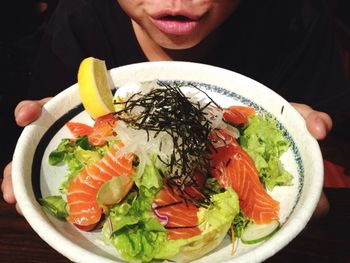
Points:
(170, 173)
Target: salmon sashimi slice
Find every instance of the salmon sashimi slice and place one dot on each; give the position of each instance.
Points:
(79, 129)
(233, 167)
(103, 128)
(98, 134)
(181, 214)
(83, 208)
(237, 114)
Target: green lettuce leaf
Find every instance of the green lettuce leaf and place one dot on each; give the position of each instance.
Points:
(133, 229)
(150, 183)
(57, 155)
(265, 143)
(240, 222)
(76, 154)
(138, 236)
(55, 205)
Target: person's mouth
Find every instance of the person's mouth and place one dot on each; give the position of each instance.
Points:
(177, 24)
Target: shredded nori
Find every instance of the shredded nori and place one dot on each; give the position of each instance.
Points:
(179, 227)
(167, 205)
(165, 108)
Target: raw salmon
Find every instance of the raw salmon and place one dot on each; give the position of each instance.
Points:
(83, 208)
(79, 129)
(103, 128)
(233, 167)
(237, 114)
(181, 213)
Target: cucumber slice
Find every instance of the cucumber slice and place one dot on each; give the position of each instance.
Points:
(255, 233)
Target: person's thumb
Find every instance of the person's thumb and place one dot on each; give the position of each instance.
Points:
(318, 123)
(28, 111)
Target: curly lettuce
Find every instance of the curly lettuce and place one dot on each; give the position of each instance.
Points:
(265, 143)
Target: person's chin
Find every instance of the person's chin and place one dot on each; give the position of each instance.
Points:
(178, 42)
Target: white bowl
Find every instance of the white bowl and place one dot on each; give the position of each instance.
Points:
(33, 177)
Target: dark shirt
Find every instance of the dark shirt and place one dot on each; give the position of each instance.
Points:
(287, 45)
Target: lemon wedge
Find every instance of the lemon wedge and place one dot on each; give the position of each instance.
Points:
(94, 87)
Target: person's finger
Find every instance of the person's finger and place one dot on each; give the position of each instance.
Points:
(318, 123)
(322, 207)
(28, 111)
(6, 186)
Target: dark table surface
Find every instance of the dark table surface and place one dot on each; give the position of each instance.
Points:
(323, 240)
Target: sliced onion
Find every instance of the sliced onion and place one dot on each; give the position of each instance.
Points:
(144, 145)
(232, 131)
(110, 225)
(162, 218)
(222, 140)
(214, 115)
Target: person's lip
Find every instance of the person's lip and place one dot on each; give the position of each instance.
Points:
(179, 23)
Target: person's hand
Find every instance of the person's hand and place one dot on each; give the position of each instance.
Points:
(319, 124)
(28, 111)
(25, 113)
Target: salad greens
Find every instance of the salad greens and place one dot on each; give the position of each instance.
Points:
(240, 222)
(265, 144)
(76, 154)
(55, 205)
(137, 234)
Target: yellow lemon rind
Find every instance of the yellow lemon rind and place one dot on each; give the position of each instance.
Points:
(94, 87)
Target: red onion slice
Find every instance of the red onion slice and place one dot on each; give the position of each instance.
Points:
(162, 218)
